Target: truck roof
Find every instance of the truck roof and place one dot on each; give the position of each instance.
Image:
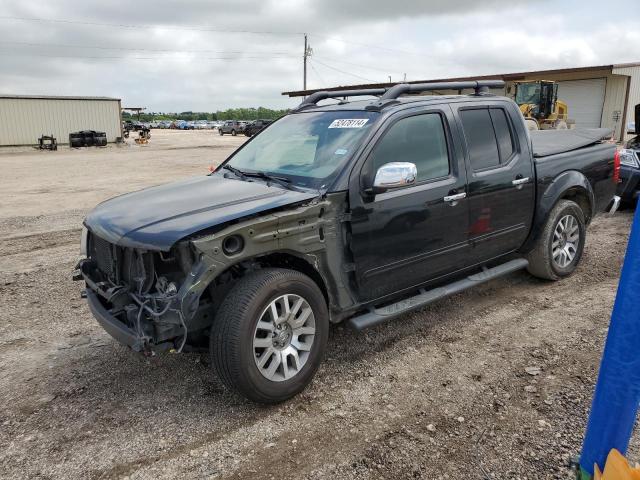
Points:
(426, 99)
(394, 96)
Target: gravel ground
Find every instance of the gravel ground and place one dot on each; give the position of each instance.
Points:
(446, 392)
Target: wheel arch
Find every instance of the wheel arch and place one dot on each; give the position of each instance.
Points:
(223, 282)
(570, 185)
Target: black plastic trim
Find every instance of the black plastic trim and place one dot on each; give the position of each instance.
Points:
(112, 325)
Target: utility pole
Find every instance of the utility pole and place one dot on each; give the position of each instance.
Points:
(305, 55)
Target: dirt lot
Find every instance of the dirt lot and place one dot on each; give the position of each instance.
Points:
(441, 393)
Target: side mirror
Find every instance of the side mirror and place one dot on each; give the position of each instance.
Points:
(394, 175)
(631, 128)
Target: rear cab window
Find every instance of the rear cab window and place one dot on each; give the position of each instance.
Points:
(489, 137)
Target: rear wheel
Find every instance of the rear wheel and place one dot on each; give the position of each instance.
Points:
(220, 132)
(269, 335)
(233, 132)
(559, 248)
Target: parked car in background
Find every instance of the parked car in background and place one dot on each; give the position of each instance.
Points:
(254, 127)
(183, 125)
(154, 124)
(202, 125)
(132, 125)
(233, 127)
(629, 186)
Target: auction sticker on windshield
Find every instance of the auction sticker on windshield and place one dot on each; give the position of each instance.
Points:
(349, 123)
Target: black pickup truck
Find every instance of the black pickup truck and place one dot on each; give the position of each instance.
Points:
(358, 211)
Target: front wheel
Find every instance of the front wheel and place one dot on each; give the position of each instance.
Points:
(559, 248)
(269, 335)
(233, 132)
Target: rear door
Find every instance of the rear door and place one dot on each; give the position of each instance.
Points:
(500, 179)
(410, 235)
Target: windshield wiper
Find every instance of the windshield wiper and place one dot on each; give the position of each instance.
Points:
(239, 173)
(284, 181)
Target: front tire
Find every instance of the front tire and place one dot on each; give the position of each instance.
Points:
(233, 132)
(269, 335)
(559, 247)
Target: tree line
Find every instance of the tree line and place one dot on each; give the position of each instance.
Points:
(229, 114)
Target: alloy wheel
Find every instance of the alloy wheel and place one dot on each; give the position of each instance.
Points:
(283, 337)
(566, 239)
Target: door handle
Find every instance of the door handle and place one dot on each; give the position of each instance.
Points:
(454, 198)
(520, 181)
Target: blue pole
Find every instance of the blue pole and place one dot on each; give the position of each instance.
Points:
(615, 401)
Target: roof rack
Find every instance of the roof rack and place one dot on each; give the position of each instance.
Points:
(390, 96)
(317, 96)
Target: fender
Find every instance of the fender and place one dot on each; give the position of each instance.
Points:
(548, 196)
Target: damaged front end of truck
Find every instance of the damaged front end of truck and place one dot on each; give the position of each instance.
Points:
(154, 300)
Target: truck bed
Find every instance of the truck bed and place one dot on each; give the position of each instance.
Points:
(552, 142)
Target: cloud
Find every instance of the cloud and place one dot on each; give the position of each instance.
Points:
(189, 57)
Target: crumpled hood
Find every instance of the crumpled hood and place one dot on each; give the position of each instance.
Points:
(156, 218)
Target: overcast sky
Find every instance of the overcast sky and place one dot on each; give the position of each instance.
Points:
(201, 55)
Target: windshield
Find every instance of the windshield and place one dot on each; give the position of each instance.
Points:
(306, 148)
(528, 93)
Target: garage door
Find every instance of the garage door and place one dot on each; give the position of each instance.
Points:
(585, 99)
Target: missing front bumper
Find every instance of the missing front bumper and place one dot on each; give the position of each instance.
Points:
(113, 326)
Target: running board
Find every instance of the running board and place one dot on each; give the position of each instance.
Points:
(376, 316)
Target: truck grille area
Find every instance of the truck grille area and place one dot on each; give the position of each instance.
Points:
(103, 253)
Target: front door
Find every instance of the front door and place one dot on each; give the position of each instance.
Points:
(407, 236)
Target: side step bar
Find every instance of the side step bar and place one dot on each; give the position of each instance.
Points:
(376, 316)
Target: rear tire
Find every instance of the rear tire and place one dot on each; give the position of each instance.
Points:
(559, 247)
(250, 354)
(233, 132)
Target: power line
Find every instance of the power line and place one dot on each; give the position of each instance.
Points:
(100, 57)
(167, 27)
(203, 28)
(342, 71)
(97, 47)
(333, 59)
(317, 74)
(367, 45)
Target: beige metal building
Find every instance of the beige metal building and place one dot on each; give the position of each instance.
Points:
(25, 118)
(598, 96)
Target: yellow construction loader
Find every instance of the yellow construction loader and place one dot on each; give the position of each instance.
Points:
(539, 104)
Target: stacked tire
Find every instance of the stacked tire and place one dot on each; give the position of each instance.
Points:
(87, 138)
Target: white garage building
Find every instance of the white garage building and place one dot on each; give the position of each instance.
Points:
(25, 118)
(598, 96)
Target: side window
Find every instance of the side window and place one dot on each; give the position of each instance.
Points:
(503, 133)
(481, 140)
(420, 140)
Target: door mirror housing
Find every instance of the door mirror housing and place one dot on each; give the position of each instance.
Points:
(394, 175)
(631, 128)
